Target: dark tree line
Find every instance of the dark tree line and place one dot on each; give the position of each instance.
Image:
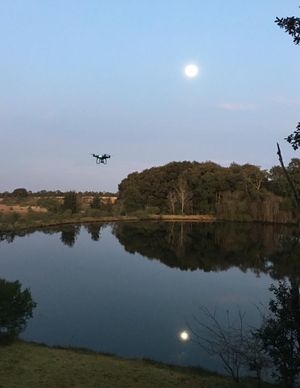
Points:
(238, 192)
(269, 249)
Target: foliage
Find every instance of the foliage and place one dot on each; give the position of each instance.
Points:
(238, 192)
(291, 25)
(96, 202)
(280, 332)
(50, 203)
(294, 138)
(20, 193)
(16, 308)
(71, 202)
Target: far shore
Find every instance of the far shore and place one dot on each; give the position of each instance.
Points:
(197, 218)
(85, 220)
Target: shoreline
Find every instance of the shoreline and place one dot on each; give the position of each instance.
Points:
(106, 219)
(200, 218)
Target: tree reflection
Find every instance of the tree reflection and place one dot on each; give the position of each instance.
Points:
(69, 234)
(216, 246)
(9, 237)
(94, 230)
(16, 307)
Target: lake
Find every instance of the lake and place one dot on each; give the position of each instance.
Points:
(133, 288)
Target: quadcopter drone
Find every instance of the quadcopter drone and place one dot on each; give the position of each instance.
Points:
(101, 158)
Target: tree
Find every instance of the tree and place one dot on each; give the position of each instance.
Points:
(172, 199)
(231, 340)
(20, 193)
(96, 202)
(280, 333)
(70, 202)
(16, 308)
(294, 138)
(183, 193)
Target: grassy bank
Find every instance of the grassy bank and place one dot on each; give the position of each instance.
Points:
(24, 364)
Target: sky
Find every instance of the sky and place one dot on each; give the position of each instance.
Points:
(96, 76)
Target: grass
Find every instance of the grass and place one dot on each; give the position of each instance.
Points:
(25, 364)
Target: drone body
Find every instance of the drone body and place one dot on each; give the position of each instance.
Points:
(101, 158)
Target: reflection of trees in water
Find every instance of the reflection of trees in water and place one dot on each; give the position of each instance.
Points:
(9, 237)
(16, 308)
(94, 230)
(214, 246)
(69, 234)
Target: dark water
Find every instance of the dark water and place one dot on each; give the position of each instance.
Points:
(132, 288)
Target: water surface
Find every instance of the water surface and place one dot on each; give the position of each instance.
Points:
(132, 288)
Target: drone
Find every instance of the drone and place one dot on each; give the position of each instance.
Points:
(101, 158)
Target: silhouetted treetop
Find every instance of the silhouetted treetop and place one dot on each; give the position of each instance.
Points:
(294, 138)
(291, 25)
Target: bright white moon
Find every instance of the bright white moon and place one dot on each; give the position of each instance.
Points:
(191, 71)
(184, 336)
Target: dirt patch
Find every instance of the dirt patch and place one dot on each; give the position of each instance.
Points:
(20, 209)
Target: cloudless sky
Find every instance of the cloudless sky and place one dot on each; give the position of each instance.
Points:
(93, 76)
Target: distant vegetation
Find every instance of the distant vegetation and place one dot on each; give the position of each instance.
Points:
(235, 193)
(238, 192)
(21, 208)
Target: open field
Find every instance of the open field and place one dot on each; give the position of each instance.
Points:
(36, 366)
(20, 209)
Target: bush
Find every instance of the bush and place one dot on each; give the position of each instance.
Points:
(16, 308)
(51, 204)
(139, 214)
(152, 210)
(20, 193)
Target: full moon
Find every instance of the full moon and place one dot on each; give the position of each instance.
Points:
(191, 70)
(184, 336)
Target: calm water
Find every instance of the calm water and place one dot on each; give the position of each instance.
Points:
(132, 288)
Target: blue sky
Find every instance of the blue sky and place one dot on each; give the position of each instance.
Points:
(107, 77)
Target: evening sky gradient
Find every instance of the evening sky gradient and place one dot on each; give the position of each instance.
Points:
(95, 76)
